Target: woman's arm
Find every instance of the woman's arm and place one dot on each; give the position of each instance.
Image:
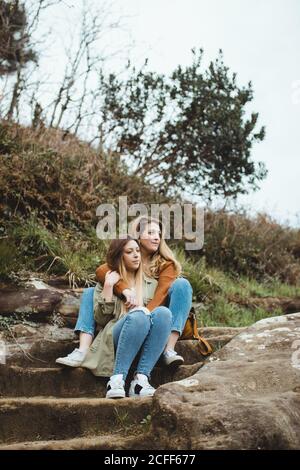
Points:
(103, 309)
(118, 287)
(104, 302)
(121, 288)
(166, 277)
(111, 278)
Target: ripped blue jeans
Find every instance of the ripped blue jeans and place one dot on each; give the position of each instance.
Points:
(179, 301)
(136, 332)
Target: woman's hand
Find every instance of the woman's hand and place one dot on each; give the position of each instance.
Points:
(111, 278)
(130, 296)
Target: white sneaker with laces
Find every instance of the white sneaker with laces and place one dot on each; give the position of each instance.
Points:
(74, 359)
(140, 387)
(115, 387)
(171, 358)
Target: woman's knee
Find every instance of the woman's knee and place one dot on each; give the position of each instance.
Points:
(162, 313)
(181, 284)
(139, 320)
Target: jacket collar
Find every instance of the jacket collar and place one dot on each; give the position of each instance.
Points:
(148, 279)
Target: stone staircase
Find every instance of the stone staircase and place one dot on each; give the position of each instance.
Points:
(44, 406)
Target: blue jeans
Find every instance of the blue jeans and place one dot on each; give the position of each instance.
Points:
(85, 321)
(137, 331)
(179, 301)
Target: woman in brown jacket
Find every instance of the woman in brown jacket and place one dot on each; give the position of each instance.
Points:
(172, 291)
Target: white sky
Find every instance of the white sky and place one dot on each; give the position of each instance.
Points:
(260, 40)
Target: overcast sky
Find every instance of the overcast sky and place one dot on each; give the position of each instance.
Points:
(260, 40)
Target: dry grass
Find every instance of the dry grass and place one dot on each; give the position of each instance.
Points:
(51, 184)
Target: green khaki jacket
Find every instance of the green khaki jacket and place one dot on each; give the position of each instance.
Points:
(101, 355)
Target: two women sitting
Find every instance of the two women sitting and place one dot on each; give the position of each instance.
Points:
(141, 305)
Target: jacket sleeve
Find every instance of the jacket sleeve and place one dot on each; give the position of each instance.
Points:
(118, 287)
(166, 277)
(103, 311)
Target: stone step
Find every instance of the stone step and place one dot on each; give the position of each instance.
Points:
(216, 331)
(106, 442)
(42, 419)
(47, 406)
(43, 353)
(189, 349)
(16, 381)
(40, 353)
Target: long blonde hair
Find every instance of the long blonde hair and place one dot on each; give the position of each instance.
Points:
(163, 254)
(115, 261)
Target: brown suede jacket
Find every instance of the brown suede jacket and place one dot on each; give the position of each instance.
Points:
(167, 276)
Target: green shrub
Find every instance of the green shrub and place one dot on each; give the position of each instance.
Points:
(204, 283)
(31, 246)
(220, 312)
(255, 247)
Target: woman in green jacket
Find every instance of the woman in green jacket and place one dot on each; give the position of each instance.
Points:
(124, 331)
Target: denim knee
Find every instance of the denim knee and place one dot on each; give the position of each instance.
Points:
(163, 313)
(140, 320)
(181, 284)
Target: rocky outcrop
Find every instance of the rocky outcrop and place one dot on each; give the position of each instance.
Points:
(247, 396)
(244, 396)
(45, 406)
(40, 301)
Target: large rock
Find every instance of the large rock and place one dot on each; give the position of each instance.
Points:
(39, 301)
(247, 396)
(35, 343)
(39, 344)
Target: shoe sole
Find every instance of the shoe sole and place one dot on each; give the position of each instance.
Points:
(175, 363)
(67, 364)
(117, 395)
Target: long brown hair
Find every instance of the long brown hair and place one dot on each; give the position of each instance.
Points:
(115, 261)
(163, 254)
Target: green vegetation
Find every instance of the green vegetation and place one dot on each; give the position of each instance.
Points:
(49, 192)
(206, 132)
(16, 50)
(219, 293)
(146, 423)
(30, 246)
(14, 319)
(220, 312)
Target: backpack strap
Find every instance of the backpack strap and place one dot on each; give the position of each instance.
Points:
(204, 346)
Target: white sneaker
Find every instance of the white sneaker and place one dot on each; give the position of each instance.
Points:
(74, 359)
(115, 387)
(140, 387)
(171, 358)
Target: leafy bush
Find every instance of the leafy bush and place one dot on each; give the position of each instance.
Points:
(254, 247)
